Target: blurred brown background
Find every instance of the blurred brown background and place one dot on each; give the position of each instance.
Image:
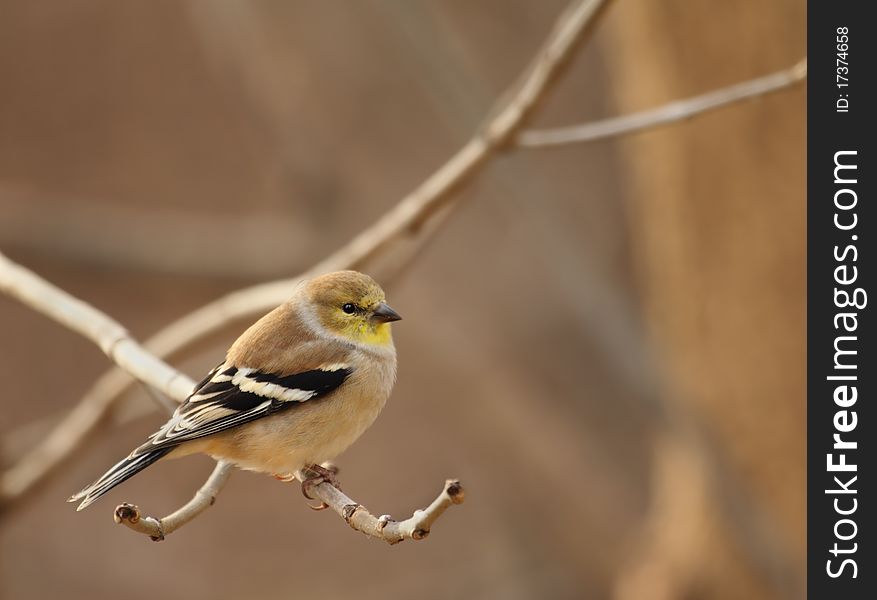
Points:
(605, 342)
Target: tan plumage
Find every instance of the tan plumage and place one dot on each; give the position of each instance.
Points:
(296, 388)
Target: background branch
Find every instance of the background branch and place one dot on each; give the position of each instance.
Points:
(62, 443)
(665, 114)
(116, 343)
(113, 339)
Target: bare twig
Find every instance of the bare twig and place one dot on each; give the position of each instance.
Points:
(668, 113)
(129, 515)
(416, 527)
(403, 221)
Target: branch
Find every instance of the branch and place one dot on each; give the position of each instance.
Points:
(668, 113)
(116, 343)
(405, 220)
(384, 527)
(129, 514)
(113, 339)
(416, 527)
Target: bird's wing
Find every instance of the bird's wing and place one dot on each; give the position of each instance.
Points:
(230, 396)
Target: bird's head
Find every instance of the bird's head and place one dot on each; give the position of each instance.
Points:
(353, 306)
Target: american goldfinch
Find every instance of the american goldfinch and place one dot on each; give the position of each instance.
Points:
(296, 388)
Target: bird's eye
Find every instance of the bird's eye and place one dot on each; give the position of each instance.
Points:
(349, 308)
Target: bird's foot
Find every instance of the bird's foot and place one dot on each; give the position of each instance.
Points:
(316, 475)
(285, 477)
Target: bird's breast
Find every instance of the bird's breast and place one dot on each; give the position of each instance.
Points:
(354, 407)
(317, 430)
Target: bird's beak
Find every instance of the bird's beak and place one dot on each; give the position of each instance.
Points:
(384, 314)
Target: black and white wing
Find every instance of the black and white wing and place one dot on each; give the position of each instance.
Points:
(230, 396)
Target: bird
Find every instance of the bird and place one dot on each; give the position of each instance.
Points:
(295, 390)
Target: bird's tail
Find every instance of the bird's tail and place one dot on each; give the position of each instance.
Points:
(123, 470)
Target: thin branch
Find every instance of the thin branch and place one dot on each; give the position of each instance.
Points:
(129, 514)
(416, 527)
(405, 220)
(668, 113)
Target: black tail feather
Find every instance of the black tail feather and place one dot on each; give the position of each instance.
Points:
(122, 471)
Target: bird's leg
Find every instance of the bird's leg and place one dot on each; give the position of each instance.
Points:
(314, 476)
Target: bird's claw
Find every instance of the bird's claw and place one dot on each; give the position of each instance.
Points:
(316, 475)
